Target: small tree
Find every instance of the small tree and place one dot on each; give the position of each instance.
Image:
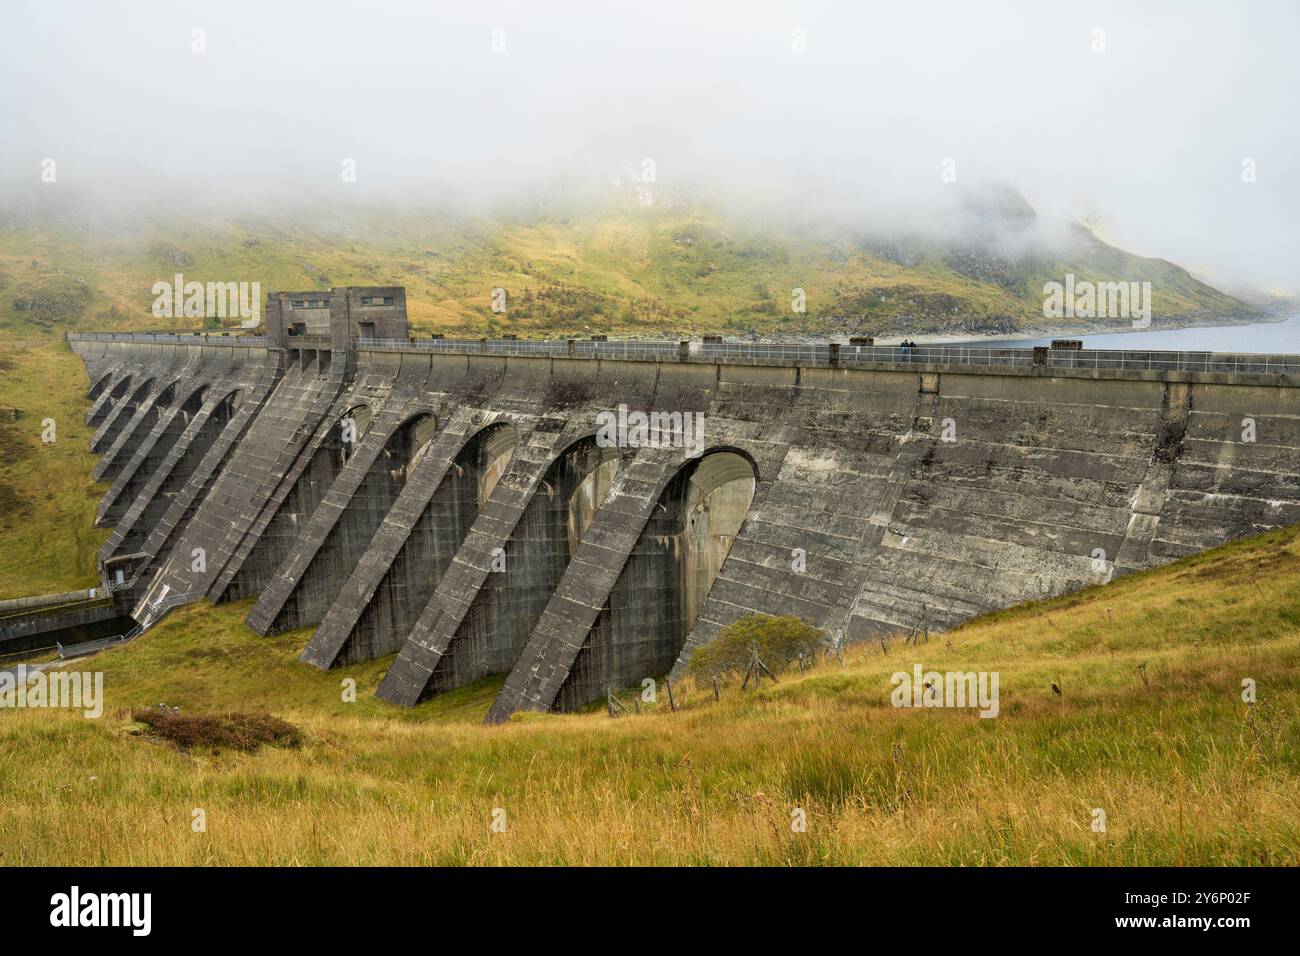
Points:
(781, 640)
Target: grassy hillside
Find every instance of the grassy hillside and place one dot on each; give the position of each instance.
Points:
(609, 267)
(1185, 772)
(47, 498)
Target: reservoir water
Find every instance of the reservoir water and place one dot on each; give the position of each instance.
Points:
(1271, 337)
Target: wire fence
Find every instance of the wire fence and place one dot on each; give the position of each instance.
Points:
(778, 353)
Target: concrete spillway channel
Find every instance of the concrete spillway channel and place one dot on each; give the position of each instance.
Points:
(454, 506)
(35, 624)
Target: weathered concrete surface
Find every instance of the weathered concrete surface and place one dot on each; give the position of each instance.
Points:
(340, 527)
(221, 376)
(373, 611)
(151, 451)
(36, 629)
(570, 615)
(121, 413)
(236, 480)
(470, 530)
(490, 542)
(159, 395)
(845, 438)
(270, 536)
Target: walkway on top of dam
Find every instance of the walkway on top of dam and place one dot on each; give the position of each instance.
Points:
(762, 353)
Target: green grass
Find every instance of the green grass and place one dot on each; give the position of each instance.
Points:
(1185, 771)
(47, 499)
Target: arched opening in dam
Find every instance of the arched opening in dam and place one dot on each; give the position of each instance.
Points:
(336, 447)
(122, 415)
(98, 388)
(153, 458)
(507, 606)
(410, 581)
(665, 579)
(367, 505)
(100, 415)
(143, 429)
(133, 541)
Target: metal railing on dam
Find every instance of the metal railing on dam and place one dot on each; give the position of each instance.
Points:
(827, 354)
(775, 353)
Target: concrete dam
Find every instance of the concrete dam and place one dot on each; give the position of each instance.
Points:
(580, 515)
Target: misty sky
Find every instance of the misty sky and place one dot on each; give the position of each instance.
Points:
(1146, 139)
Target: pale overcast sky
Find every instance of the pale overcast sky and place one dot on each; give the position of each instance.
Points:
(1139, 115)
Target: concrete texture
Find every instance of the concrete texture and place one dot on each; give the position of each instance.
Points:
(471, 523)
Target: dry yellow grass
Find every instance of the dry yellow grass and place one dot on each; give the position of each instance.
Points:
(1185, 771)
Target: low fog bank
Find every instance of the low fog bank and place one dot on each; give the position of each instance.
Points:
(1169, 130)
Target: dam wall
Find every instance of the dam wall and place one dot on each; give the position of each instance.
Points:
(460, 507)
